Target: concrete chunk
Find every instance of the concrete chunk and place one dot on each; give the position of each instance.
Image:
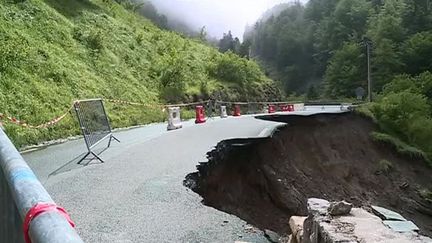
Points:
(296, 226)
(339, 208)
(316, 205)
(358, 226)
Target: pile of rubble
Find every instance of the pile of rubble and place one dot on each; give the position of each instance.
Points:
(332, 222)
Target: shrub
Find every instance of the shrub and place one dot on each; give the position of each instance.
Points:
(420, 133)
(400, 146)
(13, 52)
(231, 68)
(92, 39)
(421, 84)
(385, 166)
(95, 40)
(396, 111)
(401, 83)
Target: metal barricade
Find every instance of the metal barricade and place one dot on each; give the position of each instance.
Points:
(209, 107)
(253, 108)
(94, 125)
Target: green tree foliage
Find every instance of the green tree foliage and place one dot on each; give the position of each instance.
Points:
(387, 22)
(417, 53)
(284, 44)
(418, 16)
(298, 46)
(148, 10)
(244, 49)
(312, 93)
(387, 32)
(396, 111)
(231, 68)
(319, 45)
(404, 110)
(228, 43)
(203, 34)
(421, 84)
(299, 42)
(347, 22)
(345, 72)
(317, 10)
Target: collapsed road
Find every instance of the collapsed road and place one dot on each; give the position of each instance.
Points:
(265, 181)
(137, 195)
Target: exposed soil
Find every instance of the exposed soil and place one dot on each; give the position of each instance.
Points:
(265, 181)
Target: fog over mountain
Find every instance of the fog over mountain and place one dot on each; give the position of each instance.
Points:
(218, 16)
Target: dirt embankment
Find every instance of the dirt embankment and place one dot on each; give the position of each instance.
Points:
(265, 181)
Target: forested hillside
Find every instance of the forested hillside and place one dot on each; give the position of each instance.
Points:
(323, 41)
(55, 51)
(319, 49)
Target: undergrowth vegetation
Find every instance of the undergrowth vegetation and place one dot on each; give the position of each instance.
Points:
(55, 51)
(404, 113)
(400, 146)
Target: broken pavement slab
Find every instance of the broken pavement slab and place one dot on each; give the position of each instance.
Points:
(387, 214)
(401, 226)
(394, 220)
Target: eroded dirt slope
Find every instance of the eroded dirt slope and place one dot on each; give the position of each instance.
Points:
(265, 181)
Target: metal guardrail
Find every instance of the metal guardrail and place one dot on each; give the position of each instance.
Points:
(19, 183)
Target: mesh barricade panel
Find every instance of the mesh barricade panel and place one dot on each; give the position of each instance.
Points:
(94, 124)
(93, 120)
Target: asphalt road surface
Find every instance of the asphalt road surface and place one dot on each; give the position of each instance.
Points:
(137, 195)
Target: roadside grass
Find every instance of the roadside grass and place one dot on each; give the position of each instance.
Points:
(55, 52)
(401, 147)
(365, 111)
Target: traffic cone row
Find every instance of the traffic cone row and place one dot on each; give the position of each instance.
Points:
(174, 121)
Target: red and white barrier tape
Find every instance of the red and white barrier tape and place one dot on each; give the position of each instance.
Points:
(124, 102)
(188, 104)
(155, 105)
(43, 125)
(54, 121)
(162, 106)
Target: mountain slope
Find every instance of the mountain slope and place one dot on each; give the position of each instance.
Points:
(53, 52)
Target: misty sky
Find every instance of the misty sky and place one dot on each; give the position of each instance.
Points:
(218, 16)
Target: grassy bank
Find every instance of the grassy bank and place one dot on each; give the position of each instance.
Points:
(54, 52)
